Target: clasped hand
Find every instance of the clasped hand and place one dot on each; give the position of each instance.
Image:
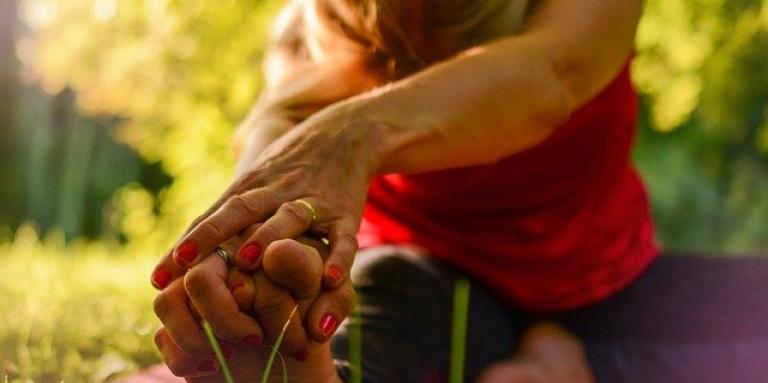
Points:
(311, 181)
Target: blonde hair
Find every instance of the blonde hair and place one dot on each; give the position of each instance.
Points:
(403, 36)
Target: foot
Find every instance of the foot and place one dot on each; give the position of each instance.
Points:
(547, 354)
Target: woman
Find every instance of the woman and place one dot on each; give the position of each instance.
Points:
(481, 138)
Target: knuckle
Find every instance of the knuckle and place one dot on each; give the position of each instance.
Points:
(190, 346)
(226, 331)
(210, 229)
(247, 181)
(296, 212)
(347, 299)
(346, 244)
(268, 304)
(196, 282)
(294, 178)
(270, 197)
(268, 233)
(241, 204)
(163, 308)
(159, 334)
(198, 220)
(177, 366)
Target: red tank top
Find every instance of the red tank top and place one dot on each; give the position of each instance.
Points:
(557, 226)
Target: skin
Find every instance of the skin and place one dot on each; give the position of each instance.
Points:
(324, 129)
(291, 277)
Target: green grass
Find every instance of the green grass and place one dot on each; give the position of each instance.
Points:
(217, 350)
(80, 313)
(275, 347)
(355, 347)
(459, 330)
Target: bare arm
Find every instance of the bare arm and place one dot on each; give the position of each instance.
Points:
(504, 97)
(297, 84)
(483, 105)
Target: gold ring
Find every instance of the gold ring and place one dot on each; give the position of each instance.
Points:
(310, 207)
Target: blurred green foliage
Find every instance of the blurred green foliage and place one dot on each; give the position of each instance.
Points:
(72, 314)
(702, 67)
(171, 78)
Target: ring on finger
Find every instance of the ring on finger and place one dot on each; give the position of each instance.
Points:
(310, 207)
(224, 255)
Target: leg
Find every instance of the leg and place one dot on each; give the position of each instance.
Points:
(688, 319)
(546, 354)
(406, 304)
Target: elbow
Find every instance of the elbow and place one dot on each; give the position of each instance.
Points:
(553, 107)
(557, 105)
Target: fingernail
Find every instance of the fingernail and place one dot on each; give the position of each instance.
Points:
(301, 356)
(236, 286)
(335, 273)
(207, 366)
(227, 350)
(187, 252)
(161, 277)
(251, 253)
(252, 340)
(328, 325)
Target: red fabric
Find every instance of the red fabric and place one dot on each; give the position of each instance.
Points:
(557, 226)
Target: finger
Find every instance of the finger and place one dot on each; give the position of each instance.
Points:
(241, 286)
(343, 249)
(193, 311)
(228, 221)
(180, 363)
(171, 307)
(165, 272)
(329, 310)
(206, 285)
(294, 266)
(291, 219)
(273, 306)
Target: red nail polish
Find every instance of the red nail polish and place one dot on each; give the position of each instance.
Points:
(335, 273)
(236, 286)
(161, 277)
(301, 356)
(252, 340)
(207, 366)
(251, 253)
(328, 324)
(187, 252)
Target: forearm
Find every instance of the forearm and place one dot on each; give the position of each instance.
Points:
(503, 97)
(474, 109)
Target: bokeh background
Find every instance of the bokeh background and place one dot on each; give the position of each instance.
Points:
(115, 126)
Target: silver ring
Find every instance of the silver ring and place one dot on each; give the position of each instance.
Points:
(224, 255)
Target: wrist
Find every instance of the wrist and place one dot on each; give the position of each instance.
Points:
(388, 131)
(355, 129)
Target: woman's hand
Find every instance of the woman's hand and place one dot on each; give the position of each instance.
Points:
(291, 277)
(314, 178)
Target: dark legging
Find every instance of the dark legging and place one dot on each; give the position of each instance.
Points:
(687, 319)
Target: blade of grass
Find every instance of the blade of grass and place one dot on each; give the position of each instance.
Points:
(217, 350)
(459, 330)
(285, 369)
(355, 347)
(271, 359)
